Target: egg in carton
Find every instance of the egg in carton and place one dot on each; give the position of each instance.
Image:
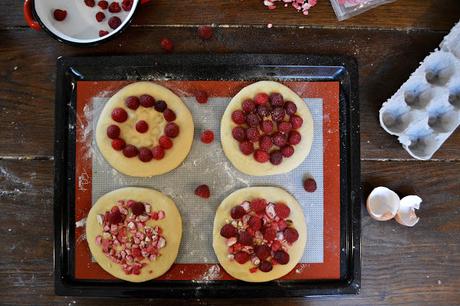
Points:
(425, 111)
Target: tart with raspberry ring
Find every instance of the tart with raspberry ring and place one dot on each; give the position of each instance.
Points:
(266, 129)
(134, 233)
(145, 130)
(259, 233)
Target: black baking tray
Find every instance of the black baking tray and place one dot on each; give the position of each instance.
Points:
(249, 67)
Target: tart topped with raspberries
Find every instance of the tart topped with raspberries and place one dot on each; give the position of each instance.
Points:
(266, 129)
(134, 233)
(259, 233)
(144, 130)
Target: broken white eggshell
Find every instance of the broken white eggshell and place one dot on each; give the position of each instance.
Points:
(406, 213)
(382, 204)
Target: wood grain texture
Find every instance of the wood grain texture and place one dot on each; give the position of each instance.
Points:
(404, 266)
(27, 74)
(402, 14)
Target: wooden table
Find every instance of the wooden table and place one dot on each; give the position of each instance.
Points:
(419, 265)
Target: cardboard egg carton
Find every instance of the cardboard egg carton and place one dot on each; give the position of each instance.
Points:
(425, 111)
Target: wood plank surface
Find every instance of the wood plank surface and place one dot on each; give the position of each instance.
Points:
(404, 266)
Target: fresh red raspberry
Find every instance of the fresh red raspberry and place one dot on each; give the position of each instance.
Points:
(290, 108)
(239, 133)
(296, 121)
(132, 102)
(100, 16)
(113, 131)
(130, 151)
(282, 225)
(276, 99)
(160, 106)
(165, 142)
(282, 210)
(59, 15)
(248, 106)
(114, 7)
(267, 126)
(287, 151)
(261, 98)
(294, 138)
(167, 45)
(146, 100)
(265, 266)
(136, 252)
(119, 114)
(269, 234)
(142, 126)
(103, 4)
(138, 208)
(261, 156)
(281, 257)
(263, 111)
(309, 185)
(145, 155)
(279, 139)
(115, 217)
(258, 205)
(201, 96)
(238, 116)
(237, 212)
(102, 33)
(284, 127)
(207, 136)
(245, 238)
(114, 22)
(242, 257)
(203, 192)
(127, 5)
(228, 231)
(291, 235)
(118, 144)
(169, 115)
(158, 152)
(246, 147)
(252, 134)
(262, 251)
(265, 143)
(255, 223)
(252, 120)
(276, 157)
(90, 3)
(205, 32)
(171, 130)
(278, 114)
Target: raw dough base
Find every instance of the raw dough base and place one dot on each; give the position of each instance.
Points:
(272, 194)
(134, 166)
(247, 164)
(171, 225)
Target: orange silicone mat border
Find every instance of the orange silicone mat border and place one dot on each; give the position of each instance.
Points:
(328, 91)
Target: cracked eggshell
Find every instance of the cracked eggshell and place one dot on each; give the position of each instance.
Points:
(382, 204)
(406, 213)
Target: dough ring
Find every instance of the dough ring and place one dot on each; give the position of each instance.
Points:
(255, 241)
(271, 133)
(134, 233)
(144, 130)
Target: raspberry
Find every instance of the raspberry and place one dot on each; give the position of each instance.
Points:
(114, 7)
(258, 205)
(294, 138)
(136, 252)
(276, 245)
(205, 32)
(281, 257)
(287, 151)
(103, 33)
(127, 5)
(100, 16)
(282, 210)
(265, 143)
(237, 212)
(119, 115)
(130, 151)
(103, 4)
(276, 99)
(262, 251)
(203, 191)
(239, 133)
(252, 120)
(246, 147)
(146, 100)
(252, 134)
(309, 185)
(201, 97)
(171, 130)
(267, 126)
(279, 139)
(245, 238)
(115, 217)
(278, 114)
(160, 106)
(165, 142)
(255, 223)
(113, 131)
(90, 3)
(269, 234)
(261, 156)
(114, 22)
(265, 266)
(158, 152)
(241, 257)
(167, 45)
(291, 235)
(59, 15)
(138, 208)
(263, 111)
(261, 98)
(238, 117)
(290, 108)
(276, 157)
(169, 115)
(142, 126)
(248, 106)
(132, 102)
(284, 127)
(207, 136)
(145, 155)
(118, 144)
(228, 231)
(282, 225)
(296, 121)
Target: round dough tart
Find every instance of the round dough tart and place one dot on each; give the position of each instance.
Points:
(134, 233)
(244, 136)
(145, 130)
(259, 233)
